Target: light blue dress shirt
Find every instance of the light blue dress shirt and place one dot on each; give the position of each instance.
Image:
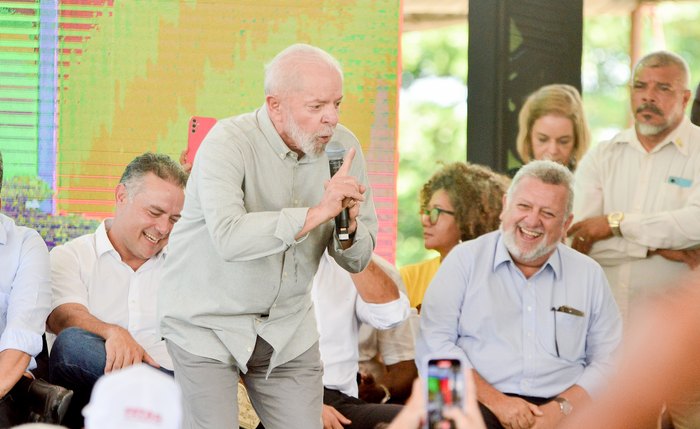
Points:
(481, 306)
(25, 288)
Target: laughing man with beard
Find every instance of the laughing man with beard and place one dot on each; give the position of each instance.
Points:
(534, 318)
(105, 284)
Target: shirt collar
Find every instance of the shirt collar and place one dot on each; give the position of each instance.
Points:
(270, 132)
(679, 138)
(502, 256)
(102, 243)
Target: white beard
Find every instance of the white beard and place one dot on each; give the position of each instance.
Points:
(651, 130)
(541, 250)
(306, 141)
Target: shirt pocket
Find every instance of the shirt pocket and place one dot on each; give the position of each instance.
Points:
(675, 194)
(570, 335)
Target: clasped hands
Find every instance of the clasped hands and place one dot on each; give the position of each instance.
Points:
(588, 231)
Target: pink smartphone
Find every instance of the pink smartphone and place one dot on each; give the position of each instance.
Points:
(199, 127)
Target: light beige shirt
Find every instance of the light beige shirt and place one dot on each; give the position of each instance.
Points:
(233, 257)
(659, 194)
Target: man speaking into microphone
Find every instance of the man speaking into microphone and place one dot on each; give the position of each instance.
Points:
(259, 212)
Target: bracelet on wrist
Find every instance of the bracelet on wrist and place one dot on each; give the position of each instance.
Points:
(387, 394)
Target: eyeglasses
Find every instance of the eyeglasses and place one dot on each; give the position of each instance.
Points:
(434, 214)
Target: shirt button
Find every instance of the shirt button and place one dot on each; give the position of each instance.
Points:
(250, 349)
(529, 308)
(529, 334)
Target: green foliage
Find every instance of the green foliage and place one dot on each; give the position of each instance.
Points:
(607, 63)
(432, 134)
(429, 132)
(440, 52)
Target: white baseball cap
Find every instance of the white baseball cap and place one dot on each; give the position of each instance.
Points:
(135, 397)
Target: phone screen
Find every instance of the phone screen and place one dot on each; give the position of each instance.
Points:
(199, 127)
(445, 388)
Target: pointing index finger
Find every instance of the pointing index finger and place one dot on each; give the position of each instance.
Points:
(347, 163)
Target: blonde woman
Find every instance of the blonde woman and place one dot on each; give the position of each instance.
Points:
(552, 125)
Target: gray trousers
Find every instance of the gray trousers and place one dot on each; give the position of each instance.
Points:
(290, 398)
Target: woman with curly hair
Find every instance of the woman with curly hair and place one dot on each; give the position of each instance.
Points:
(459, 202)
(552, 125)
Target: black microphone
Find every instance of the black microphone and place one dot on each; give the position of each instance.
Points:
(335, 152)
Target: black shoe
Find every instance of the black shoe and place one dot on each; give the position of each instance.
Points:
(48, 402)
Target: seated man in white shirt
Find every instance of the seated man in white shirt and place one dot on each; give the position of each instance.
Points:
(105, 284)
(341, 302)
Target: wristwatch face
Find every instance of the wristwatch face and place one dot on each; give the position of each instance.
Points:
(615, 217)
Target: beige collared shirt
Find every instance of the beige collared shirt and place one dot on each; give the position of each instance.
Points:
(659, 194)
(233, 257)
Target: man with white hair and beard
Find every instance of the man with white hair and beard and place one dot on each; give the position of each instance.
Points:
(637, 202)
(534, 318)
(258, 215)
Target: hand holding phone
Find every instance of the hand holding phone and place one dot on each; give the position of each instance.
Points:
(445, 388)
(466, 416)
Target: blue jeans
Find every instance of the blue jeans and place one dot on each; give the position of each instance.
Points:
(76, 361)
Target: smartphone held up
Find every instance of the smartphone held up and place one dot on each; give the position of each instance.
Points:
(199, 126)
(445, 388)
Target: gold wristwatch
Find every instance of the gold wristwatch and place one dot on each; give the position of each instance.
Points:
(614, 220)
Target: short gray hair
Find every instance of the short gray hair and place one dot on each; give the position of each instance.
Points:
(157, 163)
(664, 59)
(283, 73)
(549, 172)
